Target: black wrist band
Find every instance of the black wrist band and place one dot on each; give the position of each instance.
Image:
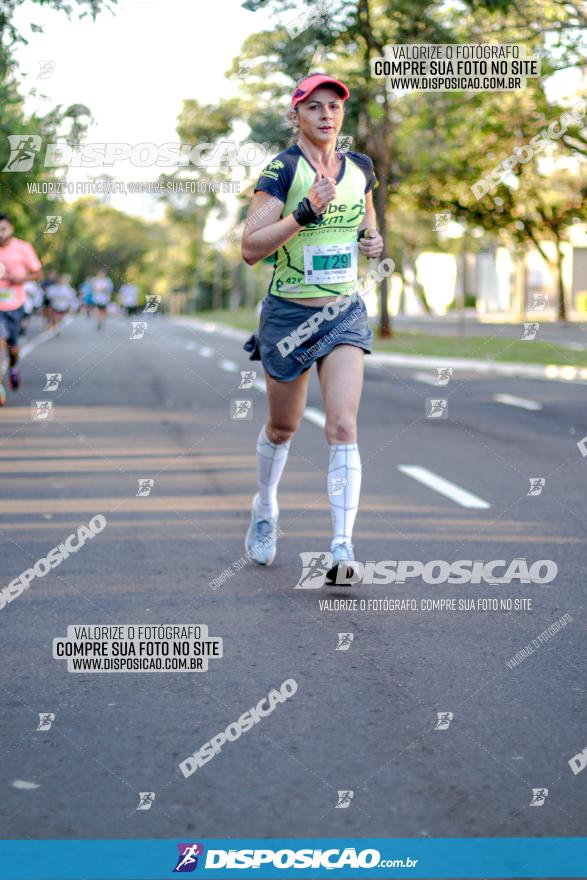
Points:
(304, 213)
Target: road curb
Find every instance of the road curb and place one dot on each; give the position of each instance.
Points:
(548, 372)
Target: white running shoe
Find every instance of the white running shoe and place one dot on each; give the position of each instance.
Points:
(341, 553)
(261, 540)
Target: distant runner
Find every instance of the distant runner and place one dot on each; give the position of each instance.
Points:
(128, 297)
(48, 281)
(86, 297)
(18, 263)
(313, 208)
(62, 298)
(102, 288)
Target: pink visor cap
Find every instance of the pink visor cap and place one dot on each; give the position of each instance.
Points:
(310, 83)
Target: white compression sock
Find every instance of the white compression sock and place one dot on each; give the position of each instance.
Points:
(271, 458)
(344, 487)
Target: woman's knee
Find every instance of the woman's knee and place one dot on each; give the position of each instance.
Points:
(341, 428)
(280, 432)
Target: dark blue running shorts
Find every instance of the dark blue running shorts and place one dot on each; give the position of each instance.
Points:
(291, 336)
(10, 322)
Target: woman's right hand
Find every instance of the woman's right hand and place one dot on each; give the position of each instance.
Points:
(322, 192)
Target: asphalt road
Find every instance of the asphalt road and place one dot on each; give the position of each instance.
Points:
(363, 719)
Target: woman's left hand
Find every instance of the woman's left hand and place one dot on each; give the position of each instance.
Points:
(373, 246)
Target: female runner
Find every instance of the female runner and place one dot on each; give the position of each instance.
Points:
(313, 208)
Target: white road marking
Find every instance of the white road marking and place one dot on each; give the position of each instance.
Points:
(315, 416)
(522, 402)
(42, 337)
(444, 487)
(21, 783)
(229, 366)
(205, 352)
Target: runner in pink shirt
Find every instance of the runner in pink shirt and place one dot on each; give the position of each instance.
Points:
(18, 263)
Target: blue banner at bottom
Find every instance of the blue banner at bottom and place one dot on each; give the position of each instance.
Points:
(304, 858)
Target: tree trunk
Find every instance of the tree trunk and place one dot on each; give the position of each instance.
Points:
(217, 289)
(562, 297)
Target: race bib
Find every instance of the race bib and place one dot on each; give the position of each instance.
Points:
(331, 263)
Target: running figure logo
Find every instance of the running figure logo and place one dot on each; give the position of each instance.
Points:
(539, 302)
(441, 221)
(241, 409)
(247, 378)
(53, 380)
(443, 375)
(444, 719)
(337, 485)
(145, 487)
(344, 800)
(344, 641)
(436, 408)
(138, 329)
(46, 719)
(539, 795)
(344, 142)
(188, 857)
(146, 799)
(152, 303)
(42, 410)
(244, 69)
(23, 148)
(536, 485)
(46, 68)
(53, 223)
(530, 331)
(315, 567)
